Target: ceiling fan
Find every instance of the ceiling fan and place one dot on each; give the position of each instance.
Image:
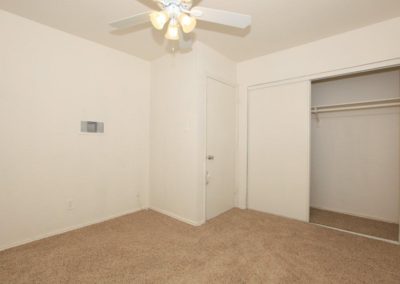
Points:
(181, 18)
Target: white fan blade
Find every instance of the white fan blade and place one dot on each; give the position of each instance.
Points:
(131, 21)
(221, 17)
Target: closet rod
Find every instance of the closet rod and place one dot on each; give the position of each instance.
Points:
(370, 106)
(393, 102)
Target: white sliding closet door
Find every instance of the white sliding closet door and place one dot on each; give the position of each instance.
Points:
(279, 150)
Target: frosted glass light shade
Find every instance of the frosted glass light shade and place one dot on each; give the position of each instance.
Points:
(159, 19)
(172, 32)
(188, 23)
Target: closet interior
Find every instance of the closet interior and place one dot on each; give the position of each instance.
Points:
(355, 153)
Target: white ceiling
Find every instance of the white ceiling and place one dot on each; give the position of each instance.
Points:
(277, 24)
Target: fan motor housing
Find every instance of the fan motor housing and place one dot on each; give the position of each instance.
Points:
(176, 4)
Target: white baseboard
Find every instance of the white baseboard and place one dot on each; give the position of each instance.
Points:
(64, 230)
(356, 215)
(175, 216)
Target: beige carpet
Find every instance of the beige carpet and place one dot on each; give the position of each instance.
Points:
(236, 247)
(365, 226)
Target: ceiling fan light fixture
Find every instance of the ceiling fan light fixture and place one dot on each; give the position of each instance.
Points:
(173, 31)
(159, 19)
(181, 17)
(188, 23)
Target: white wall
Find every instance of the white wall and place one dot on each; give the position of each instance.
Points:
(49, 82)
(174, 137)
(372, 44)
(177, 163)
(355, 155)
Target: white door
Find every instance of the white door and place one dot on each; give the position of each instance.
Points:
(279, 150)
(221, 141)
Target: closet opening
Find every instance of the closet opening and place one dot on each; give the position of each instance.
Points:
(355, 153)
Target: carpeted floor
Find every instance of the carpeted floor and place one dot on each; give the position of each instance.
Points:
(365, 226)
(236, 247)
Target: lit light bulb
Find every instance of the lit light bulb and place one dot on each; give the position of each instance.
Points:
(173, 31)
(159, 19)
(188, 23)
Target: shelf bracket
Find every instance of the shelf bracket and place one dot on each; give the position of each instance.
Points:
(315, 110)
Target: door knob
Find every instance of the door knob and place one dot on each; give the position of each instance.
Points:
(210, 157)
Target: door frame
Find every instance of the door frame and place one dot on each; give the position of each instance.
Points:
(395, 66)
(243, 173)
(210, 76)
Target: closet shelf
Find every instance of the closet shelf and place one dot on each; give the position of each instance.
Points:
(393, 102)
